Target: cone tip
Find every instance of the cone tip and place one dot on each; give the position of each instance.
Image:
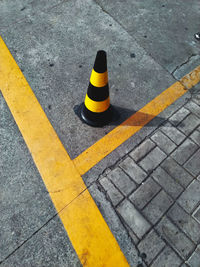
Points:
(101, 52)
(100, 64)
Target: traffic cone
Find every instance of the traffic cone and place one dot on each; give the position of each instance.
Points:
(96, 110)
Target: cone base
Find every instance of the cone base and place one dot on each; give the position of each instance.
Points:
(96, 119)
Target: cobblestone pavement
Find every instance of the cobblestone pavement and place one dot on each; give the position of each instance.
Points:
(155, 190)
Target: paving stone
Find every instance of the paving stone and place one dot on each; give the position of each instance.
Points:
(151, 245)
(163, 142)
(175, 135)
(142, 150)
(179, 116)
(167, 182)
(193, 107)
(114, 223)
(106, 172)
(189, 124)
(142, 264)
(197, 214)
(133, 218)
(194, 260)
(195, 136)
(193, 164)
(144, 193)
(185, 222)
(131, 234)
(157, 207)
(184, 151)
(177, 172)
(132, 169)
(196, 99)
(114, 194)
(190, 197)
(122, 181)
(177, 239)
(153, 159)
(167, 258)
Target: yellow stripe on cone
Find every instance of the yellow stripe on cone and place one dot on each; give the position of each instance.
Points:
(97, 106)
(99, 79)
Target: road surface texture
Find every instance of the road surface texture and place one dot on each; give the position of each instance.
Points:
(148, 188)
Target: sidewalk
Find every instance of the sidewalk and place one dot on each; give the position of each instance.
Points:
(155, 190)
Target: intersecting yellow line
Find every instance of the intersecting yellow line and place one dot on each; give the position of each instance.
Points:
(91, 156)
(90, 236)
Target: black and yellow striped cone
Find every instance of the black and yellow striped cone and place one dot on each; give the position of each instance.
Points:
(96, 110)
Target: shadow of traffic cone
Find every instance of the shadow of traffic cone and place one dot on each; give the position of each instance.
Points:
(96, 109)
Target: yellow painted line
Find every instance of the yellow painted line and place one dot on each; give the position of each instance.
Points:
(91, 156)
(90, 236)
(191, 79)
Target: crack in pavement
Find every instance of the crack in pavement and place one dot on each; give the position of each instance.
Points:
(122, 26)
(28, 239)
(182, 64)
(13, 23)
(45, 224)
(163, 67)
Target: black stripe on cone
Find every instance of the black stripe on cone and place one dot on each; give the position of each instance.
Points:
(97, 94)
(96, 119)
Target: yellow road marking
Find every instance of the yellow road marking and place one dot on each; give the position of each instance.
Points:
(191, 79)
(82, 220)
(84, 224)
(91, 156)
(90, 236)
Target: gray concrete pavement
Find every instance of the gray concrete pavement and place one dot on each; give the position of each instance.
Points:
(56, 51)
(164, 29)
(28, 222)
(49, 246)
(149, 46)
